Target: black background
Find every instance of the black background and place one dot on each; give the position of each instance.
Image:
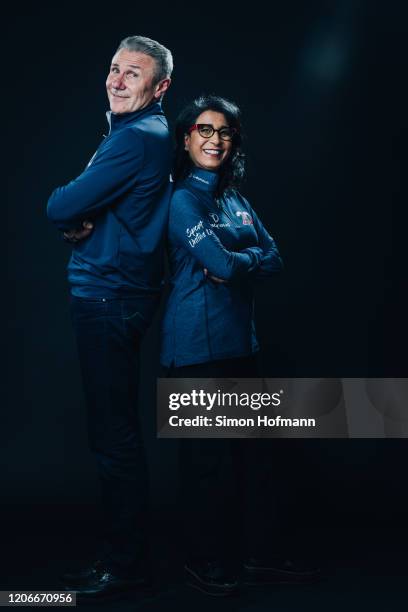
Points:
(321, 87)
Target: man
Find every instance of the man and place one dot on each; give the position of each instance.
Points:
(115, 213)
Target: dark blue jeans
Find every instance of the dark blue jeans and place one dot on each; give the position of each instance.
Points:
(108, 333)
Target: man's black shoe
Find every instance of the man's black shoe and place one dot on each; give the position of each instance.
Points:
(277, 570)
(81, 576)
(98, 582)
(210, 577)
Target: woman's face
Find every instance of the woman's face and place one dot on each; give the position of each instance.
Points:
(208, 153)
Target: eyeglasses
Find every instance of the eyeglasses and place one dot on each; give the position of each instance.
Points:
(206, 131)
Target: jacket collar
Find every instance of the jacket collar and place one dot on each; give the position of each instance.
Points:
(204, 180)
(119, 121)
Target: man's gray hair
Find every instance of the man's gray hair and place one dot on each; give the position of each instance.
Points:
(161, 55)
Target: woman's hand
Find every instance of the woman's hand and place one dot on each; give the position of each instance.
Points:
(213, 278)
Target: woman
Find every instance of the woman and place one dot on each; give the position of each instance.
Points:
(217, 249)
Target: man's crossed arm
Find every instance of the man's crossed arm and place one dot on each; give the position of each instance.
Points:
(75, 235)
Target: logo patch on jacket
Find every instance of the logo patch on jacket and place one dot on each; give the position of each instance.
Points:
(215, 221)
(246, 217)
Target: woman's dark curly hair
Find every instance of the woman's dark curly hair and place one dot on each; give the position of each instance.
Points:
(233, 169)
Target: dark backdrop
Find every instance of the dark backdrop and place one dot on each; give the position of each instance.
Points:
(321, 86)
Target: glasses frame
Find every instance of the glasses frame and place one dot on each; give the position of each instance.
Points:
(197, 127)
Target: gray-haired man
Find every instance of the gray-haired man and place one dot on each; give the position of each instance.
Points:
(115, 213)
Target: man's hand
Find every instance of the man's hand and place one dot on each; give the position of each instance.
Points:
(213, 278)
(76, 235)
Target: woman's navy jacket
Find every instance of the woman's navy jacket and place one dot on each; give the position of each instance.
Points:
(205, 320)
(125, 190)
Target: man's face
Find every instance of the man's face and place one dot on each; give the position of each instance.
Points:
(131, 83)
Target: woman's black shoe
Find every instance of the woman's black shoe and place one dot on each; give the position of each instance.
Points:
(276, 570)
(211, 577)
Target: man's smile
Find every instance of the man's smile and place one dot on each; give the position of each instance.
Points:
(118, 95)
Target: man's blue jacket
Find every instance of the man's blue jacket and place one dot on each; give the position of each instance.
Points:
(125, 190)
